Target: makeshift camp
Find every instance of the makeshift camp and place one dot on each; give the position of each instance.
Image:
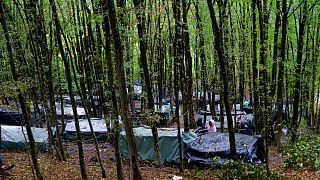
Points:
(215, 147)
(164, 112)
(15, 137)
(248, 110)
(246, 120)
(168, 143)
(10, 118)
(99, 128)
(68, 112)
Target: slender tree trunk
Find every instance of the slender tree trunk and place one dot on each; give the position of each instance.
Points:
(123, 92)
(302, 24)
(144, 63)
(188, 58)
(178, 56)
(275, 49)
(280, 73)
(52, 101)
(71, 94)
(218, 44)
(255, 66)
(23, 104)
(106, 28)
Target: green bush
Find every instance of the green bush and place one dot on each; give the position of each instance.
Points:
(238, 170)
(305, 153)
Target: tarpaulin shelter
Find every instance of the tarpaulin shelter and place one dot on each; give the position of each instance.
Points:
(168, 144)
(68, 112)
(10, 118)
(99, 128)
(203, 149)
(215, 147)
(15, 137)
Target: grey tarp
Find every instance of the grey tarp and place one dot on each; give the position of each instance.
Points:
(13, 137)
(168, 142)
(208, 147)
(99, 128)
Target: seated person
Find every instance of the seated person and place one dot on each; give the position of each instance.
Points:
(200, 128)
(199, 123)
(212, 127)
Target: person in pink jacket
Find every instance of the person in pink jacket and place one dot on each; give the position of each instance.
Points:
(212, 127)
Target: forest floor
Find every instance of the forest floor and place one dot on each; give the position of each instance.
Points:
(54, 169)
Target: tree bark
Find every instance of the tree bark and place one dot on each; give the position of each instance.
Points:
(23, 104)
(255, 77)
(123, 92)
(115, 111)
(302, 24)
(275, 50)
(280, 73)
(218, 44)
(70, 89)
(188, 59)
(143, 61)
(178, 55)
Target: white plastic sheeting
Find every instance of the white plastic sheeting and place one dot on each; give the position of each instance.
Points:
(99, 125)
(68, 110)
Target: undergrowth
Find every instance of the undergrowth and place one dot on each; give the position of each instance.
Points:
(304, 153)
(239, 170)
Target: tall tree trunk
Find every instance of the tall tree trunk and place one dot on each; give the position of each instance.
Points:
(264, 125)
(71, 94)
(22, 101)
(178, 56)
(188, 59)
(115, 111)
(255, 66)
(315, 55)
(144, 63)
(302, 24)
(218, 44)
(123, 92)
(51, 99)
(280, 73)
(275, 49)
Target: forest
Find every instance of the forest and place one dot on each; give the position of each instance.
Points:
(159, 89)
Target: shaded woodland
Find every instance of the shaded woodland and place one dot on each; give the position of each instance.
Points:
(123, 60)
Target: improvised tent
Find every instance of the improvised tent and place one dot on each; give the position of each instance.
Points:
(168, 144)
(164, 112)
(99, 128)
(68, 110)
(10, 118)
(215, 147)
(15, 137)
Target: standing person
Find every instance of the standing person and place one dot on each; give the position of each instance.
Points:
(212, 127)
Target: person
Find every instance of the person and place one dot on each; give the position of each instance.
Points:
(212, 127)
(199, 122)
(3, 166)
(245, 103)
(239, 121)
(200, 128)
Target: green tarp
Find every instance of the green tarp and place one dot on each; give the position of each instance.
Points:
(14, 137)
(168, 142)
